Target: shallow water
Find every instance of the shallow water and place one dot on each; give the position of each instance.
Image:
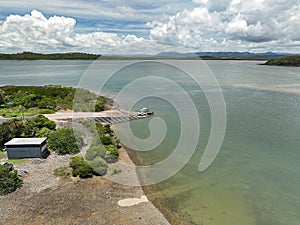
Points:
(255, 178)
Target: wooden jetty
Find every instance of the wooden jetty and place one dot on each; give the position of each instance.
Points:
(114, 120)
(107, 117)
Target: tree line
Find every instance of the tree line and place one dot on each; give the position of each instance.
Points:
(50, 98)
(54, 56)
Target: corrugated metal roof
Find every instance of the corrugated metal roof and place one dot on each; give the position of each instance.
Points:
(26, 141)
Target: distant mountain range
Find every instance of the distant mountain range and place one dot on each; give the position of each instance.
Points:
(223, 55)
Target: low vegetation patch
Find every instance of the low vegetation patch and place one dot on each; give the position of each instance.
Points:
(80, 167)
(16, 101)
(105, 146)
(64, 171)
(9, 181)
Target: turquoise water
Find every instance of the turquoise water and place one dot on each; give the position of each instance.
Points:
(255, 179)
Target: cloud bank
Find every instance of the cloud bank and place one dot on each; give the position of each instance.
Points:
(34, 31)
(203, 25)
(250, 24)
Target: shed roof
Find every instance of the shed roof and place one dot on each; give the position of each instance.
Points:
(25, 141)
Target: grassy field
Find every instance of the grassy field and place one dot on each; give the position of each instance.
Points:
(17, 112)
(17, 161)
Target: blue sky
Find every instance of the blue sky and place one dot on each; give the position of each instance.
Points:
(149, 27)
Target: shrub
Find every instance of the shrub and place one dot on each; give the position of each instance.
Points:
(80, 167)
(9, 181)
(95, 151)
(85, 171)
(65, 141)
(107, 129)
(106, 140)
(100, 104)
(116, 171)
(47, 111)
(44, 132)
(41, 121)
(99, 166)
(112, 151)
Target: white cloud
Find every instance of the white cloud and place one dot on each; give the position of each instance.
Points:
(35, 32)
(200, 1)
(246, 23)
(188, 28)
(149, 27)
(101, 10)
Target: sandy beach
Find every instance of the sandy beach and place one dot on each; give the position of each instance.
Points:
(46, 199)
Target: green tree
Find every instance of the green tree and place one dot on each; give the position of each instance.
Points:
(32, 127)
(65, 141)
(9, 130)
(47, 103)
(41, 121)
(9, 181)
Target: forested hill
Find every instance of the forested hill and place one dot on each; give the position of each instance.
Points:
(284, 61)
(55, 56)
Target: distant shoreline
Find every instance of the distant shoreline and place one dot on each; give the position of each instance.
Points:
(163, 56)
(288, 61)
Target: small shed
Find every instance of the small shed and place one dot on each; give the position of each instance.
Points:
(19, 148)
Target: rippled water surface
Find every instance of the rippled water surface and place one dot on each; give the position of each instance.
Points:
(255, 179)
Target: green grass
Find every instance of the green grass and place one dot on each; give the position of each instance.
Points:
(64, 171)
(17, 161)
(17, 112)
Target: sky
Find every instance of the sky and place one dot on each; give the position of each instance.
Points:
(111, 27)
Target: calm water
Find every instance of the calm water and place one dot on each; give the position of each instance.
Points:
(255, 179)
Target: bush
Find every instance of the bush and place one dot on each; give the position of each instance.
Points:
(80, 167)
(9, 181)
(44, 132)
(65, 141)
(41, 121)
(107, 129)
(112, 151)
(106, 140)
(99, 166)
(95, 151)
(100, 104)
(47, 111)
